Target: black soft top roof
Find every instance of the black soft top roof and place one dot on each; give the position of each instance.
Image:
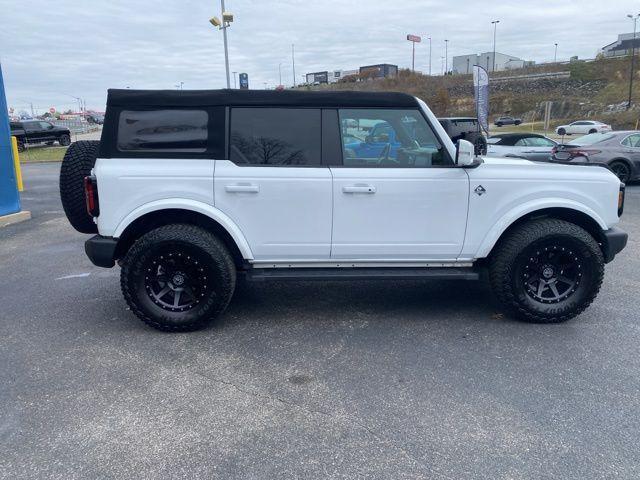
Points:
(295, 98)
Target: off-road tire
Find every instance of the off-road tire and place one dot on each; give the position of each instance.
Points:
(77, 164)
(21, 146)
(216, 272)
(64, 140)
(509, 265)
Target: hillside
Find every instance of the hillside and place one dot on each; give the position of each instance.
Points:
(596, 89)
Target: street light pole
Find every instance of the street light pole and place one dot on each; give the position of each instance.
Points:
(293, 63)
(633, 56)
(495, 31)
(227, 18)
(280, 74)
(429, 56)
(235, 74)
(555, 55)
(446, 56)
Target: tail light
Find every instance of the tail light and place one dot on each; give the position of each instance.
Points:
(554, 150)
(621, 200)
(583, 152)
(91, 196)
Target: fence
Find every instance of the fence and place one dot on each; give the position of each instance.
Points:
(76, 125)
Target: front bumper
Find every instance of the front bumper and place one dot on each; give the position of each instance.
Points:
(101, 251)
(614, 242)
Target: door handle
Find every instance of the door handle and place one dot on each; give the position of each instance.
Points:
(368, 189)
(247, 188)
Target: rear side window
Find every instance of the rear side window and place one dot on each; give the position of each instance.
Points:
(275, 136)
(169, 131)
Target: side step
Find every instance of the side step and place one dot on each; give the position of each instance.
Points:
(279, 274)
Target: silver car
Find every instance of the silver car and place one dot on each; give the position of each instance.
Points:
(530, 146)
(620, 151)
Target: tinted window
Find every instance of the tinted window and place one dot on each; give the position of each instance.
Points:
(275, 136)
(591, 139)
(163, 131)
(46, 125)
(407, 139)
(632, 141)
(31, 126)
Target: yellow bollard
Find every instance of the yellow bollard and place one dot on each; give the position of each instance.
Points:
(16, 163)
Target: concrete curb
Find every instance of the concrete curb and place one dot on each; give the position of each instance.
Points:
(14, 218)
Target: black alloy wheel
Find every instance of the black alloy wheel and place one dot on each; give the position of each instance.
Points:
(622, 170)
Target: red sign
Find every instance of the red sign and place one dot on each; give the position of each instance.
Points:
(52, 110)
(414, 38)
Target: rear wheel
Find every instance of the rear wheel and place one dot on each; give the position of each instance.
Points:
(21, 147)
(178, 278)
(562, 131)
(547, 271)
(621, 169)
(64, 140)
(593, 130)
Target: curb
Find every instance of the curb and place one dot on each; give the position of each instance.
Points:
(14, 218)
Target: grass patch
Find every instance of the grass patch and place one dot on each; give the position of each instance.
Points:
(42, 154)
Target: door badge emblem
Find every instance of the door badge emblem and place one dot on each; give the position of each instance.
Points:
(480, 190)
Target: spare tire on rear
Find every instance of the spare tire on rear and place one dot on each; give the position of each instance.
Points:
(77, 164)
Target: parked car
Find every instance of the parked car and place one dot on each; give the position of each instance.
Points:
(37, 131)
(620, 151)
(260, 185)
(501, 121)
(583, 127)
(465, 128)
(530, 146)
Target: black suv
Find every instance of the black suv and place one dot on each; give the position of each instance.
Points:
(37, 131)
(465, 128)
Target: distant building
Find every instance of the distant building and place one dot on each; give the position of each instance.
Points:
(622, 47)
(317, 77)
(463, 64)
(382, 70)
(338, 75)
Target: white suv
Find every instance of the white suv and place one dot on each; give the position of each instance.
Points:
(189, 190)
(583, 127)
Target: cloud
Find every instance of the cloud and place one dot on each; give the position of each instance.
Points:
(51, 52)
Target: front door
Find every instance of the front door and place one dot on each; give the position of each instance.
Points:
(410, 204)
(273, 186)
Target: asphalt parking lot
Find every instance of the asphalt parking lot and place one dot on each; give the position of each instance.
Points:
(306, 380)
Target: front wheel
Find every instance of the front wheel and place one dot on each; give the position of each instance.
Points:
(547, 271)
(178, 278)
(622, 170)
(64, 140)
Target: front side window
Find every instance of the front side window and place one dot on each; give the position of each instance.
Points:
(275, 136)
(389, 138)
(540, 142)
(46, 126)
(163, 131)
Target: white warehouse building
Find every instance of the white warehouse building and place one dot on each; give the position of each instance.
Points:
(463, 64)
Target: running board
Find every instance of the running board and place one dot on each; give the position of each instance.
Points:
(279, 274)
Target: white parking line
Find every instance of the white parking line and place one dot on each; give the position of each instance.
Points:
(78, 275)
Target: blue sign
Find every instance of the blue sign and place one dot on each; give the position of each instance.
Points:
(244, 81)
(9, 198)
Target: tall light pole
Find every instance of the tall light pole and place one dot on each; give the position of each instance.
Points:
(446, 56)
(633, 55)
(495, 31)
(235, 75)
(227, 18)
(429, 56)
(555, 54)
(293, 63)
(179, 86)
(280, 74)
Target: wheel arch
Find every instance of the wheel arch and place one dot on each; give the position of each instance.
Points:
(584, 218)
(146, 219)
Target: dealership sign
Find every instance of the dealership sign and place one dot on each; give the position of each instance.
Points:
(414, 38)
(244, 81)
(481, 88)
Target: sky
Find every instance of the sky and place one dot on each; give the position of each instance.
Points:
(51, 52)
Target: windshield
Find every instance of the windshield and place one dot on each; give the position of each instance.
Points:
(591, 139)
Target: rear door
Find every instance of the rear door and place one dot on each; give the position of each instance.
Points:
(274, 185)
(411, 204)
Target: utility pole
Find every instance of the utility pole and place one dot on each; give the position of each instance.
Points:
(495, 31)
(280, 74)
(633, 56)
(235, 75)
(293, 63)
(446, 56)
(555, 55)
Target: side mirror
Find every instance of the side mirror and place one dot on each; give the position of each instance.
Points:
(465, 153)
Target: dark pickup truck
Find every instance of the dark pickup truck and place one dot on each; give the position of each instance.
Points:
(37, 131)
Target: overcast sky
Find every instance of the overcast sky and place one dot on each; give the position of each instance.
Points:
(53, 51)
